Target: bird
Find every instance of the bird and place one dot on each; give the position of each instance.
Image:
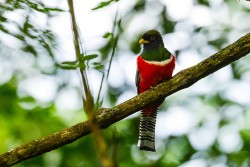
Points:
(155, 64)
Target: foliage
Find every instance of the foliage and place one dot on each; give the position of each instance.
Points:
(219, 134)
(104, 4)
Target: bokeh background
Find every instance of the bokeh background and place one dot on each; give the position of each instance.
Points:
(207, 124)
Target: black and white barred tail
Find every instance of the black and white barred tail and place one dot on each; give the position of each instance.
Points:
(147, 132)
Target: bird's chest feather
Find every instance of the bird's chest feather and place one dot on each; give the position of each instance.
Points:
(153, 73)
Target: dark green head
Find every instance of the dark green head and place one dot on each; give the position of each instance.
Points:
(153, 47)
(151, 39)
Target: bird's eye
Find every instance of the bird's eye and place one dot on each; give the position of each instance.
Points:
(152, 38)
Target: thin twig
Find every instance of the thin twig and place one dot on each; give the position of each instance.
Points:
(79, 55)
(115, 39)
(88, 100)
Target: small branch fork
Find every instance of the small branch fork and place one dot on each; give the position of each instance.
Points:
(108, 116)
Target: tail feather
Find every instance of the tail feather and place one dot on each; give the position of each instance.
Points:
(147, 132)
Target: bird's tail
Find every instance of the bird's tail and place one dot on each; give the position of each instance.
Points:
(147, 131)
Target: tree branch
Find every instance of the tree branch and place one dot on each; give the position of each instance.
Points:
(107, 116)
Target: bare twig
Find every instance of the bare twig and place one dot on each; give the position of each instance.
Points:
(115, 39)
(109, 116)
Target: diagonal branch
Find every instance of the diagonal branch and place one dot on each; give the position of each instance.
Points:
(108, 116)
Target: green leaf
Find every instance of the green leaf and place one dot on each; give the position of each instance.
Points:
(4, 29)
(19, 36)
(30, 49)
(89, 57)
(245, 135)
(68, 65)
(107, 35)
(40, 7)
(65, 67)
(3, 19)
(27, 99)
(54, 10)
(27, 26)
(98, 66)
(104, 4)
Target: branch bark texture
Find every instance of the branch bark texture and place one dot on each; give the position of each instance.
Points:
(107, 116)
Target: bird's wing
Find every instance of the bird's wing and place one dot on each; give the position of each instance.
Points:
(137, 79)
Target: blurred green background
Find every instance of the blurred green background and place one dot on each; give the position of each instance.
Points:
(207, 124)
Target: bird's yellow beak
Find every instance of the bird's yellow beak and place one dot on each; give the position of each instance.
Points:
(142, 41)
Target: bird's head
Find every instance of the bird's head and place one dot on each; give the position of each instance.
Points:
(151, 39)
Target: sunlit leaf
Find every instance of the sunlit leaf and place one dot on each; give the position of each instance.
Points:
(89, 57)
(245, 134)
(27, 99)
(98, 66)
(30, 49)
(2, 28)
(107, 35)
(26, 26)
(3, 19)
(238, 158)
(53, 9)
(46, 45)
(67, 66)
(19, 36)
(70, 63)
(204, 2)
(104, 4)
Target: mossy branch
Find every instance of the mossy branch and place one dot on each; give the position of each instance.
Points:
(107, 116)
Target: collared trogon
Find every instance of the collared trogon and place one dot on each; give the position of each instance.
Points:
(155, 64)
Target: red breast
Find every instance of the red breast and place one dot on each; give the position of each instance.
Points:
(153, 72)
